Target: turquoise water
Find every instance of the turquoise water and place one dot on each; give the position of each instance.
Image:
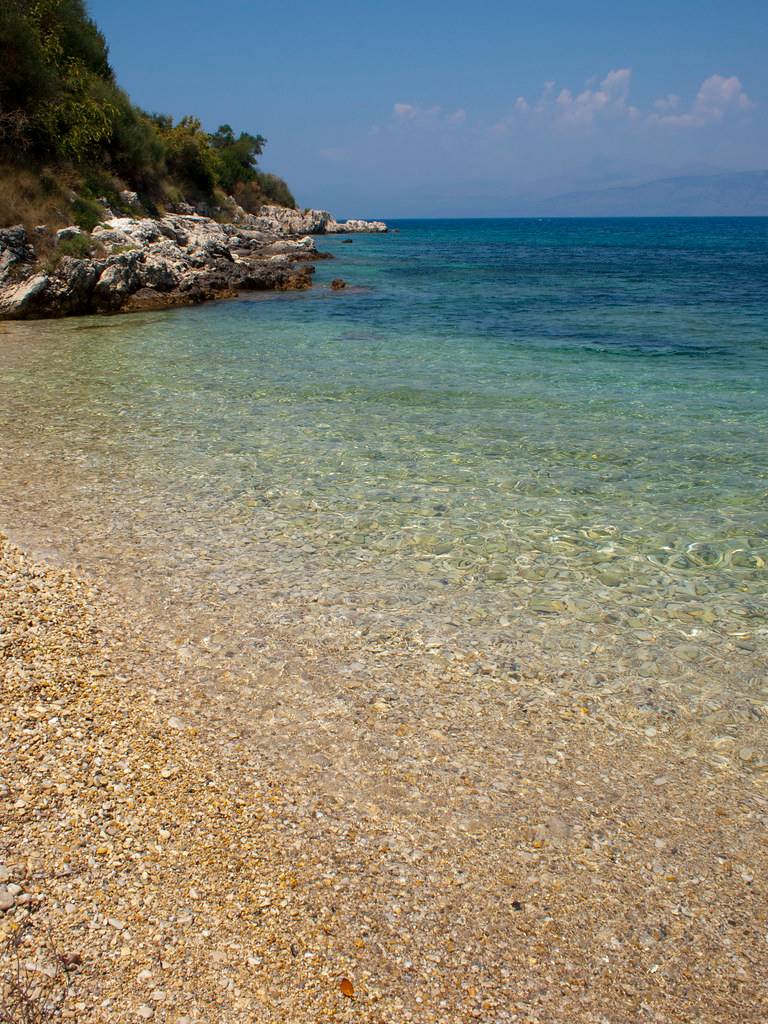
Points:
(545, 434)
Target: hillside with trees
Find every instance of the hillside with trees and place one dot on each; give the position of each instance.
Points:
(69, 135)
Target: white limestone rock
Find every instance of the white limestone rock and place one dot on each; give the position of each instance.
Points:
(368, 226)
(65, 234)
(17, 299)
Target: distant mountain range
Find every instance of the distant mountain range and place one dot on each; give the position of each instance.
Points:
(630, 190)
(742, 194)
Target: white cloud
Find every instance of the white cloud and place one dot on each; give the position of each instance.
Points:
(413, 113)
(717, 97)
(403, 111)
(609, 100)
(569, 110)
(667, 103)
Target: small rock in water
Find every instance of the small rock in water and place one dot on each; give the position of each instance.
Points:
(556, 829)
(545, 604)
(687, 652)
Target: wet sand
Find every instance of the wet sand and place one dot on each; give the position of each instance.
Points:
(444, 839)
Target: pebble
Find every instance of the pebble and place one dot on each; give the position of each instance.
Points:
(555, 828)
(7, 899)
(548, 605)
(295, 886)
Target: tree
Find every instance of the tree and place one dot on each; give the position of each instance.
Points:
(189, 156)
(236, 158)
(53, 55)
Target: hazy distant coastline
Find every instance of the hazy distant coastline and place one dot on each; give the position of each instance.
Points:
(708, 195)
(642, 194)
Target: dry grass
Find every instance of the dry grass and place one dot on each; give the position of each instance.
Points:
(32, 199)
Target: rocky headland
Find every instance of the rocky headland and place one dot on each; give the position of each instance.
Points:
(130, 262)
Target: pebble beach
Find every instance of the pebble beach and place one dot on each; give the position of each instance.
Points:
(161, 868)
(383, 603)
(395, 653)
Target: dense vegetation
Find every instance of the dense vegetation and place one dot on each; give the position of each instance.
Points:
(67, 127)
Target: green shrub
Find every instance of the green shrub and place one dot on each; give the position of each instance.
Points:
(60, 106)
(265, 188)
(235, 157)
(53, 55)
(275, 190)
(79, 247)
(87, 213)
(25, 79)
(188, 155)
(137, 152)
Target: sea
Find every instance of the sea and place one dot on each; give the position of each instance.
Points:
(538, 444)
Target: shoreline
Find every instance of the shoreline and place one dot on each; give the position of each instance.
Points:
(134, 263)
(198, 881)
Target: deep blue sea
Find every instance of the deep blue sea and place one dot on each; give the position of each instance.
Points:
(548, 430)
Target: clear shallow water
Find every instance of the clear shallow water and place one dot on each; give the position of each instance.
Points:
(544, 438)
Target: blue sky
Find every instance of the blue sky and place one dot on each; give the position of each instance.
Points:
(433, 107)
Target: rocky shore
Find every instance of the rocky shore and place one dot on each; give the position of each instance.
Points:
(153, 866)
(129, 263)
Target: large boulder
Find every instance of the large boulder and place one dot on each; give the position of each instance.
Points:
(298, 248)
(25, 298)
(281, 222)
(161, 266)
(122, 231)
(68, 233)
(15, 251)
(71, 287)
(119, 279)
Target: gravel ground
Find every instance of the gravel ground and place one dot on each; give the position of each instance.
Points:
(157, 863)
